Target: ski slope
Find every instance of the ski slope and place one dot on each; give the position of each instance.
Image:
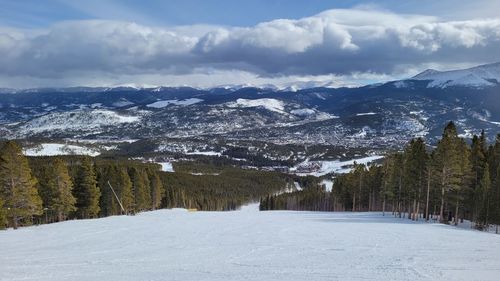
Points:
(248, 245)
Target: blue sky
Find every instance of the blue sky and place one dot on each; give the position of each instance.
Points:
(36, 13)
(212, 42)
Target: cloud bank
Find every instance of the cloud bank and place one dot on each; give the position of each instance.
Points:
(342, 45)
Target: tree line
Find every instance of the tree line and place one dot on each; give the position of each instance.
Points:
(36, 190)
(448, 183)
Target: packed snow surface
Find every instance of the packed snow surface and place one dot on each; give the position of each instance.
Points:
(165, 103)
(53, 149)
(248, 245)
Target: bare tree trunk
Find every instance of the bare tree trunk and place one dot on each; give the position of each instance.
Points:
(14, 222)
(354, 202)
(441, 210)
(417, 213)
(383, 207)
(370, 202)
(456, 210)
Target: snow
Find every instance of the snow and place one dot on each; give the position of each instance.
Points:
(84, 120)
(328, 185)
(303, 112)
(297, 186)
(365, 113)
(269, 104)
(248, 245)
(206, 153)
(166, 166)
(321, 168)
(165, 103)
(53, 149)
(477, 77)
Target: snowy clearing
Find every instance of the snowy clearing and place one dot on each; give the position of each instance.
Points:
(269, 104)
(321, 168)
(165, 103)
(206, 153)
(248, 245)
(166, 166)
(82, 120)
(53, 149)
(365, 113)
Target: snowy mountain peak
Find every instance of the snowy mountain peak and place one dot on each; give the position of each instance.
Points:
(477, 77)
(426, 73)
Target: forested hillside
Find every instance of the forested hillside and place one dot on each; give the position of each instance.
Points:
(36, 190)
(450, 182)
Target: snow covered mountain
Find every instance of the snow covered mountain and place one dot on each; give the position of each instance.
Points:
(487, 75)
(375, 116)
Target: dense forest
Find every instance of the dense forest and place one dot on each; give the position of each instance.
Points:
(36, 190)
(448, 183)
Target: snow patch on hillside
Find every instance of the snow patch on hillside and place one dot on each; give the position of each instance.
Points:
(269, 104)
(82, 120)
(165, 103)
(365, 113)
(303, 112)
(328, 185)
(53, 149)
(321, 168)
(166, 166)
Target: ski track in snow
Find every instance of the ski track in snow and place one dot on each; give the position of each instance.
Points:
(248, 245)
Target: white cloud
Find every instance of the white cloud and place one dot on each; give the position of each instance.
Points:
(340, 44)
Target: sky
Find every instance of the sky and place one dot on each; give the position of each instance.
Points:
(208, 43)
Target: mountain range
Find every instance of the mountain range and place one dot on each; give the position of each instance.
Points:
(379, 116)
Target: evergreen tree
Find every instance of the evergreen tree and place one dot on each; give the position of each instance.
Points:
(86, 191)
(17, 186)
(415, 162)
(451, 166)
(62, 201)
(3, 215)
(389, 180)
(156, 191)
(478, 162)
(125, 190)
(484, 194)
(141, 188)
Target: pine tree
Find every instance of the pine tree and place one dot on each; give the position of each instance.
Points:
(86, 191)
(453, 168)
(484, 194)
(17, 186)
(125, 191)
(156, 191)
(3, 215)
(414, 169)
(55, 187)
(141, 188)
(478, 162)
(388, 181)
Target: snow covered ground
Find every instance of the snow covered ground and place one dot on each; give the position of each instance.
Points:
(53, 149)
(269, 104)
(165, 103)
(248, 245)
(335, 166)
